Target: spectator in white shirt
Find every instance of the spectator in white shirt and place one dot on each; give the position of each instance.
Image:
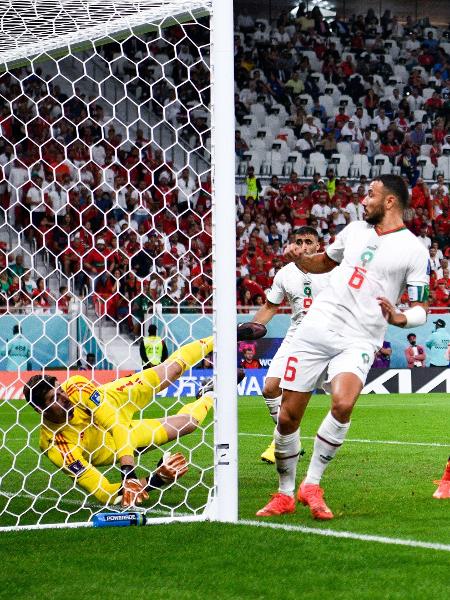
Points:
(354, 209)
(439, 185)
(361, 119)
(381, 120)
(311, 127)
(423, 238)
(322, 212)
(415, 101)
(283, 227)
(349, 129)
(435, 263)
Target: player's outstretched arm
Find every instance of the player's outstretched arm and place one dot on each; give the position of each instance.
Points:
(412, 317)
(265, 313)
(312, 263)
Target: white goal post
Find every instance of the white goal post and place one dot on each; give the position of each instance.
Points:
(50, 171)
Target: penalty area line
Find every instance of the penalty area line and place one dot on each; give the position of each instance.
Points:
(349, 535)
(361, 441)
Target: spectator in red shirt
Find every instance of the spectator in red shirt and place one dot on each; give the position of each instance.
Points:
(250, 361)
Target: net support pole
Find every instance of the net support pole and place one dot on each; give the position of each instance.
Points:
(225, 505)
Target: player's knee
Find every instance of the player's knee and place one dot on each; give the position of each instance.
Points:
(288, 420)
(341, 408)
(271, 390)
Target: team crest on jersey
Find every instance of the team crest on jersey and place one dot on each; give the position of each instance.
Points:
(95, 397)
(76, 467)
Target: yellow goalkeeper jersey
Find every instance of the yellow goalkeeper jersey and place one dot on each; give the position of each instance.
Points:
(100, 430)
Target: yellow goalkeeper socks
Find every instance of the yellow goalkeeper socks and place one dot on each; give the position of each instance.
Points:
(198, 409)
(189, 355)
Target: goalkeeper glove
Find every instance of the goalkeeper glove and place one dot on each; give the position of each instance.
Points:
(170, 468)
(133, 489)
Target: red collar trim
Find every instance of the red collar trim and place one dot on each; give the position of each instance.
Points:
(378, 232)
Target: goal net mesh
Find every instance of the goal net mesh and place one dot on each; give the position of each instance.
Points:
(105, 228)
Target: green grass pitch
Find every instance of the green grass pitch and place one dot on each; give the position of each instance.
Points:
(380, 484)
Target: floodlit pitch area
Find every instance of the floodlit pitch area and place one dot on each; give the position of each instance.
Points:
(380, 486)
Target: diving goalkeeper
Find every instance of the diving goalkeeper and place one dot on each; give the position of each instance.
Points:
(85, 426)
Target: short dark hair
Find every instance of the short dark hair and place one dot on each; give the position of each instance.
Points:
(37, 387)
(396, 185)
(306, 230)
(152, 329)
(411, 335)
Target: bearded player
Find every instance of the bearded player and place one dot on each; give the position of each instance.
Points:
(371, 263)
(85, 426)
(299, 288)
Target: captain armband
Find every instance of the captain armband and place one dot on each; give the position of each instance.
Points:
(418, 293)
(415, 316)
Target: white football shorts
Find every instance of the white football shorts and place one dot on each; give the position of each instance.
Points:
(314, 351)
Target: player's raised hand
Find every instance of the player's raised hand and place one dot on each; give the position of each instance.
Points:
(390, 312)
(133, 492)
(293, 251)
(172, 468)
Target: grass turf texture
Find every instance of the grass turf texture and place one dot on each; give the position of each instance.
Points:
(373, 488)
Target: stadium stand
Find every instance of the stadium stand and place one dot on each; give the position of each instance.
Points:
(320, 107)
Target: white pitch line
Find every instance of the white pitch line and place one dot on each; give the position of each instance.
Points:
(350, 535)
(361, 441)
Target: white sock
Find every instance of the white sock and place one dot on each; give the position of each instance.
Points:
(273, 404)
(329, 439)
(287, 450)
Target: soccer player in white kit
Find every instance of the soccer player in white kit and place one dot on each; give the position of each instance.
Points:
(371, 263)
(299, 288)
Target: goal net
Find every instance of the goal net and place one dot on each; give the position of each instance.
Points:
(111, 193)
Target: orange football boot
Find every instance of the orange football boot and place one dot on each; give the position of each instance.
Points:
(443, 490)
(279, 504)
(311, 495)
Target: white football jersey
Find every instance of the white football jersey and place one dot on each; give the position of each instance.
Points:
(370, 265)
(298, 288)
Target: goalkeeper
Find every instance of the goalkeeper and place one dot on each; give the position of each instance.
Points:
(85, 426)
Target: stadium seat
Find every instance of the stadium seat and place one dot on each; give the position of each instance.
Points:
(316, 64)
(425, 149)
(348, 103)
(333, 91)
(266, 135)
(280, 110)
(255, 159)
(259, 110)
(340, 164)
(280, 147)
(317, 164)
(326, 101)
(258, 145)
(345, 148)
(251, 122)
(274, 163)
(287, 134)
(297, 163)
(307, 102)
(443, 166)
(320, 81)
(382, 165)
(425, 167)
(360, 166)
(273, 123)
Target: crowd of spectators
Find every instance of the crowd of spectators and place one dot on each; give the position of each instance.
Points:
(127, 228)
(394, 82)
(105, 205)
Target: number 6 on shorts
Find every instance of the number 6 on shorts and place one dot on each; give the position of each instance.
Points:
(291, 369)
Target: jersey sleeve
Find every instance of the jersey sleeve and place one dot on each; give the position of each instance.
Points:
(275, 294)
(70, 459)
(103, 413)
(335, 251)
(418, 277)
